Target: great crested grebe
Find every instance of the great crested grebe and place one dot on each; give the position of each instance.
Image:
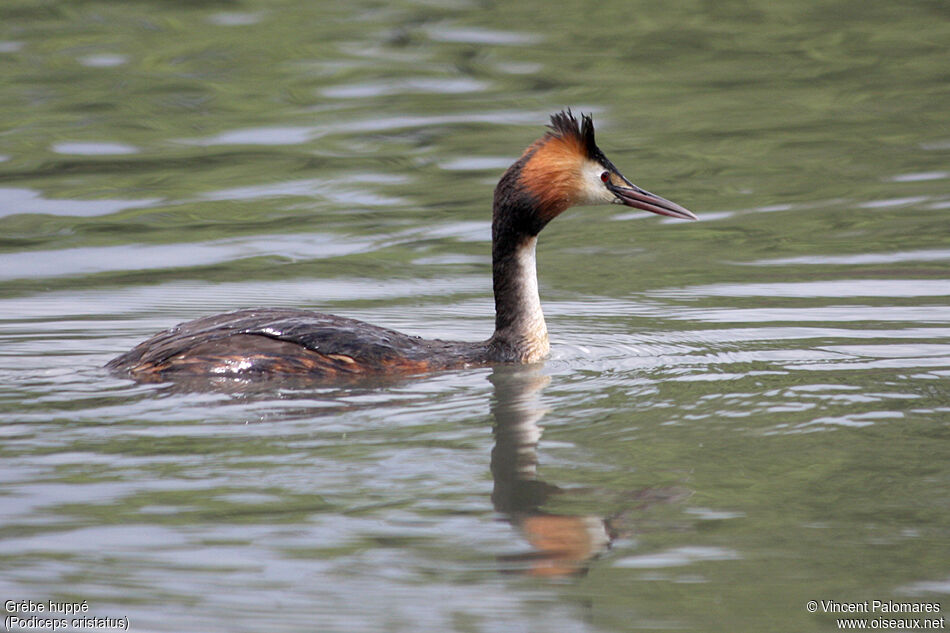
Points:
(564, 168)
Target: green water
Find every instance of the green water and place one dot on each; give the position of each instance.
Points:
(739, 415)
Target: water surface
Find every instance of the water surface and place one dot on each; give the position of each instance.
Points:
(739, 415)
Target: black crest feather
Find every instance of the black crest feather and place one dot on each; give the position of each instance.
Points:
(565, 125)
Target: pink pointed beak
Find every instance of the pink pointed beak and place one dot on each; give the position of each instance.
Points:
(634, 196)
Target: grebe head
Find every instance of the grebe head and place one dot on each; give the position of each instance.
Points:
(565, 168)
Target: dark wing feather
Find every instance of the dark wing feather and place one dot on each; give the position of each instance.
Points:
(320, 343)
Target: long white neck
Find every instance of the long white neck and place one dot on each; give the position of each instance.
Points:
(520, 331)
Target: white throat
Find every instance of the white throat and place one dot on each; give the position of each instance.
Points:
(520, 321)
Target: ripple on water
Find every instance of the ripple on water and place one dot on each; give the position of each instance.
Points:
(103, 60)
(236, 18)
(836, 288)
(678, 557)
(920, 176)
(477, 163)
(91, 260)
(66, 310)
(422, 85)
(94, 148)
(19, 201)
(888, 203)
(281, 135)
(471, 35)
(377, 122)
(842, 313)
(354, 189)
(858, 259)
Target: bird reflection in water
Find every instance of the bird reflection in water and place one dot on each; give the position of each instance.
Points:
(562, 544)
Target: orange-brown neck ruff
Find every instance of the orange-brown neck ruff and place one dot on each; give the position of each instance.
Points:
(552, 173)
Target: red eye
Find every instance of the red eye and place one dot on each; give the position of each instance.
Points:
(604, 177)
